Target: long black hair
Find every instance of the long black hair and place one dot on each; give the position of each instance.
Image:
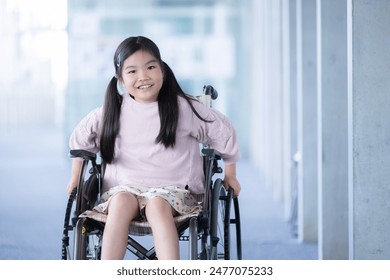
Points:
(167, 99)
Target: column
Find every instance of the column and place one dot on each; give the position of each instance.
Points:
(332, 129)
(307, 120)
(369, 103)
(291, 115)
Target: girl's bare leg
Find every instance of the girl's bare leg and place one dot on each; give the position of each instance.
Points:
(122, 210)
(160, 217)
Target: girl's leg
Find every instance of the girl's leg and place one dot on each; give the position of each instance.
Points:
(160, 217)
(123, 208)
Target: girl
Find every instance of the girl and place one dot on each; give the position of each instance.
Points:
(148, 133)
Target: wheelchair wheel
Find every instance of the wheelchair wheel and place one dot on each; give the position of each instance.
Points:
(222, 223)
(229, 226)
(67, 243)
(81, 240)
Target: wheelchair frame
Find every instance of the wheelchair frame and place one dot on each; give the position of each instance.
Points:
(208, 233)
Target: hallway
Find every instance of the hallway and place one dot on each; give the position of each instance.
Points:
(304, 82)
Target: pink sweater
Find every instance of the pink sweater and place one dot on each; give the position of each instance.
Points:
(140, 161)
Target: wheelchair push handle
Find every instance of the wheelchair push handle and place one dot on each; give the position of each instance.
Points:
(209, 90)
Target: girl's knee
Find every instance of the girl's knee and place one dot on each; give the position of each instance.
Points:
(159, 206)
(123, 202)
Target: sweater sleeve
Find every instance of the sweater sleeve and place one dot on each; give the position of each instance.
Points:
(218, 132)
(85, 135)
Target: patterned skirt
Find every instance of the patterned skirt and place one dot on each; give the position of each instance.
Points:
(186, 204)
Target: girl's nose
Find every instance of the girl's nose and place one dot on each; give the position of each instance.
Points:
(142, 75)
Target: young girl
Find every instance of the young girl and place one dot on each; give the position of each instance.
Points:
(148, 133)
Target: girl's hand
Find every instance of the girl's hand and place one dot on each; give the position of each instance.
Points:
(71, 185)
(230, 179)
(234, 184)
(75, 173)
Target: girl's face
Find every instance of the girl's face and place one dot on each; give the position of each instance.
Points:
(142, 76)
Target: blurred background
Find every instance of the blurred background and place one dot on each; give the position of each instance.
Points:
(57, 57)
(303, 81)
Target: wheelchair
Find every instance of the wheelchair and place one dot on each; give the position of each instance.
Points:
(213, 233)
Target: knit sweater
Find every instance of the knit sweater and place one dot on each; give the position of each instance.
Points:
(139, 160)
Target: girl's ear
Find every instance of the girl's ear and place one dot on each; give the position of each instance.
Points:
(120, 88)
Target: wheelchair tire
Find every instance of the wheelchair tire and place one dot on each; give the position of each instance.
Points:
(67, 227)
(222, 223)
(231, 222)
(80, 241)
(219, 232)
(237, 223)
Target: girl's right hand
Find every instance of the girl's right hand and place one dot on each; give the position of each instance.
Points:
(74, 178)
(71, 186)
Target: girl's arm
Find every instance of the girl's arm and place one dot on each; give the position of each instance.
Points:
(75, 173)
(230, 179)
(84, 137)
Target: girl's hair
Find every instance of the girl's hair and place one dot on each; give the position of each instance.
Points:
(167, 99)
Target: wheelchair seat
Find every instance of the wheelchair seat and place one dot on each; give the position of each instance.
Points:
(138, 227)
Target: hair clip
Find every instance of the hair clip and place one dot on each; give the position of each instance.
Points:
(119, 60)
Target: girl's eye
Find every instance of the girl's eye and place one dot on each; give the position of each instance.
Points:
(151, 67)
(131, 72)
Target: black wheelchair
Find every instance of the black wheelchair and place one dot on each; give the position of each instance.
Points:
(211, 234)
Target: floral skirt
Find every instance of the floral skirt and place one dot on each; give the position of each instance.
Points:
(185, 203)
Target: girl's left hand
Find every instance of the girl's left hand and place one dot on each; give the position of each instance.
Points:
(231, 181)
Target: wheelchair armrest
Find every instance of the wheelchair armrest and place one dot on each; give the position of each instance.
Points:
(82, 154)
(211, 153)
